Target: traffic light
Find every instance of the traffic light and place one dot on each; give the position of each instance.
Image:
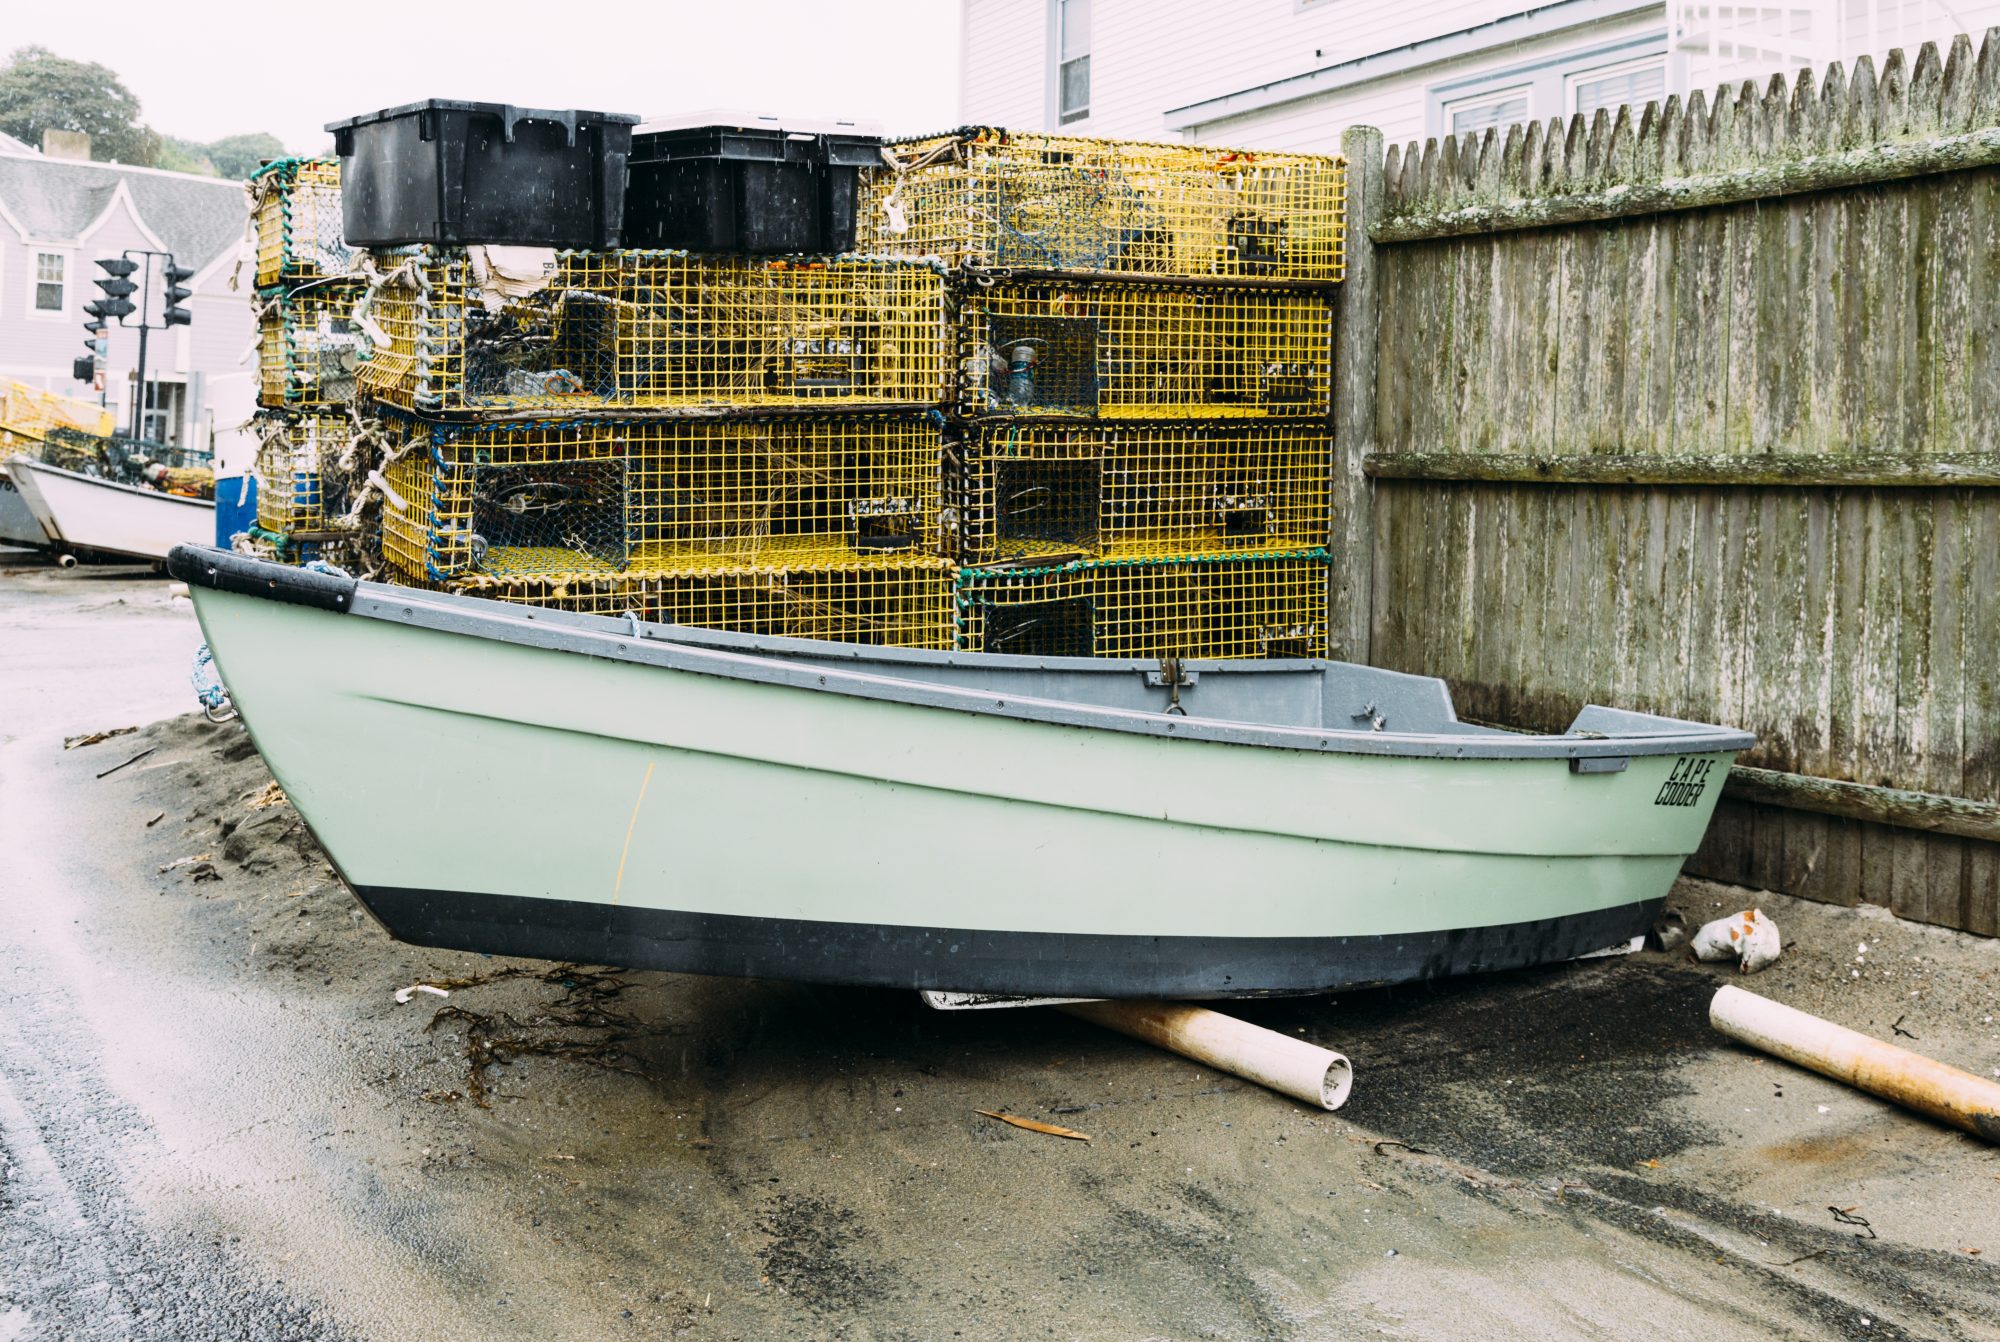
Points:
(118, 290)
(177, 315)
(84, 367)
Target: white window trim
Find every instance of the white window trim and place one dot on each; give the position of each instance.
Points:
(72, 307)
(1546, 76)
(1574, 77)
(1525, 91)
(1053, 77)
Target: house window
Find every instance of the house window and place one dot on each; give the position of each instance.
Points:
(1072, 60)
(1613, 86)
(166, 408)
(1495, 107)
(49, 272)
(1631, 70)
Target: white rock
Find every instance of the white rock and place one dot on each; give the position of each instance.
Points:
(1749, 938)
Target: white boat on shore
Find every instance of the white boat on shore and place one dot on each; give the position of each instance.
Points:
(513, 780)
(85, 512)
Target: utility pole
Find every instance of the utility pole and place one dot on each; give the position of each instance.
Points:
(145, 311)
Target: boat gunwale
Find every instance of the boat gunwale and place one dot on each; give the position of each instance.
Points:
(626, 641)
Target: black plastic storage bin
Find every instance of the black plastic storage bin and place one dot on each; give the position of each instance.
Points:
(462, 173)
(763, 189)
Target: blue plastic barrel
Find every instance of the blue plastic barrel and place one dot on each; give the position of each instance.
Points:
(235, 507)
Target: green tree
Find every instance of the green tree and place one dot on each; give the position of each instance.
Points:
(242, 155)
(40, 91)
(180, 155)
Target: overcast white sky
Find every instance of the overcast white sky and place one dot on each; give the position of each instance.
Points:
(208, 68)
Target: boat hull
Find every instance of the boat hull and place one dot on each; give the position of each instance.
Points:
(17, 520)
(985, 960)
(497, 797)
(82, 512)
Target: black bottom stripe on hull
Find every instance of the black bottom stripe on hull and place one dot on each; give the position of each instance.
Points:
(1052, 964)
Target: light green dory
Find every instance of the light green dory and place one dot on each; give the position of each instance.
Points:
(511, 780)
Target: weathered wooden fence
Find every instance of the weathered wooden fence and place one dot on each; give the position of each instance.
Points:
(1698, 411)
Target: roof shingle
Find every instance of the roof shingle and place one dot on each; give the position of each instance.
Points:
(198, 218)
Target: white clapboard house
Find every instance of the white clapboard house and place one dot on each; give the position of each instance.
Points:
(1291, 74)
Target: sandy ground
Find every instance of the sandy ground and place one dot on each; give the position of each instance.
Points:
(217, 1122)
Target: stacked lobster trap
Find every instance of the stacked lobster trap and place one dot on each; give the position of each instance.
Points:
(658, 331)
(809, 525)
(724, 441)
(1067, 397)
(1139, 456)
(311, 442)
(727, 441)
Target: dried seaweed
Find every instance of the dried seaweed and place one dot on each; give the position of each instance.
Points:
(580, 1025)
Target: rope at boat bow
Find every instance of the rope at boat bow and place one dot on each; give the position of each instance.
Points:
(209, 689)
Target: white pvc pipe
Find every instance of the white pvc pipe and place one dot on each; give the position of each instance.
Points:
(1910, 1079)
(1289, 1066)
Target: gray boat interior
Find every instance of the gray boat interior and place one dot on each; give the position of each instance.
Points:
(1298, 703)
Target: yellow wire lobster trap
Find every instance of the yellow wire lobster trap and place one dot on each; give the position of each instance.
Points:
(302, 484)
(1222, 606)
(27, 414)
(1022, 489)
(1135, 351)
(295, 209)
(1008, 200)
(898, 601)
(308, 346)
(637, 496)
(655, 330)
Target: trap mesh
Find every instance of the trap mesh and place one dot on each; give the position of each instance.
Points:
(129, 461)
(295, 203)
(891, 601)
(657, 331)
(1026, 489)
(1131, 351)
(408, 519)
(999, 199)
(646, 496)
(308, 346)
(1271, 605)
(71, 449)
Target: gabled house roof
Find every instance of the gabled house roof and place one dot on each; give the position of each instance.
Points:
(57, 200)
